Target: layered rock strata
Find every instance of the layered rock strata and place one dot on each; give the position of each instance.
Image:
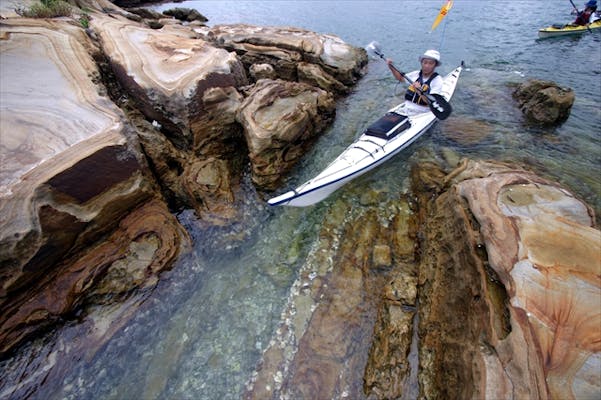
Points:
(198, 96)
(508, 286)
(75, 167)
(71, 174)
(295, 54)
(280, 119)
(187, 89)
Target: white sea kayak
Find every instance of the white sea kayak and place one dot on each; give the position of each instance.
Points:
(377, 144)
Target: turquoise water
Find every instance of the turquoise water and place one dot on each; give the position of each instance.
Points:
(201, 332)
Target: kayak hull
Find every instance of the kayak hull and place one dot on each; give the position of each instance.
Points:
(568, 30)
(364, 154)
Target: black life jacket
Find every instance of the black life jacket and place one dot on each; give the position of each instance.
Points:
(413, 96)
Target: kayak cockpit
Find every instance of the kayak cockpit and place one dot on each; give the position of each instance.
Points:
(388, 126)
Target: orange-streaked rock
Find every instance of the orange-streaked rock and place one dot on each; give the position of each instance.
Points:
(146, 242)
(71, 172)
(511, 309)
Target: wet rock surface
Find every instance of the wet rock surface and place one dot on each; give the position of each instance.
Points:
(495, 280)
(144, 116)
(321, 348)
(543, 102)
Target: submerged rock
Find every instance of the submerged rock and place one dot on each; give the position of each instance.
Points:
(544, 102)
(465, 131)
(321, 347)
(509, 287)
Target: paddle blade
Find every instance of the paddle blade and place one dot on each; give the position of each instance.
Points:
(443, 12)
(374, 50)
(439, 106)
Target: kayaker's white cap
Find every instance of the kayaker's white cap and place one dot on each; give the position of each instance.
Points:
(432, 55)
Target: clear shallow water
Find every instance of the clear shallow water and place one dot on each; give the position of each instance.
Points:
(200, 333)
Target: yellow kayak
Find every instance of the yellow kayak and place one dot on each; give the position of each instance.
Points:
(569, 29)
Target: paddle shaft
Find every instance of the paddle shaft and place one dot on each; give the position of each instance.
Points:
(426, 95)
(439, 106)
(578, 14)
(403, 75)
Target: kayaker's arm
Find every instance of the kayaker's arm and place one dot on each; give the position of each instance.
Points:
(394, 71)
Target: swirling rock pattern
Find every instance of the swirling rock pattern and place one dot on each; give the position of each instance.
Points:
(280, 118)
(196, 94)
(509, 287)
(71, 171)
(188, 88)
(51, 148)
(147, 241)
(167, 74)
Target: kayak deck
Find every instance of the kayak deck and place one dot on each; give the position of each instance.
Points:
(367, 152)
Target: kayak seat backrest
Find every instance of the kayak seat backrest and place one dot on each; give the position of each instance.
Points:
(387, 127)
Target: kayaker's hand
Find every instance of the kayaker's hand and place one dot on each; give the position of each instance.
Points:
(416, 85)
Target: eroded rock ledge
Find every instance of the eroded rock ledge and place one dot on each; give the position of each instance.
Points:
(72, 178)
(509, 290)
(104, 126)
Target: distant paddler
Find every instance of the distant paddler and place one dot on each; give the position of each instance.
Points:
(586, 16)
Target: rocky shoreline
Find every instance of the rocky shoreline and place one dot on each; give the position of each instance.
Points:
(142, 117)
(145, 119)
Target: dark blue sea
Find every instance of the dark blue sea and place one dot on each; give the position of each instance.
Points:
(201, 333)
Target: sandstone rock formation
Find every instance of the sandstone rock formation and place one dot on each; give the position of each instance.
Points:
(544, 102)
(71, 173)
(509, 288)
(321, 347)
(295, 54)
(75, 167)
(195, 93)
(190, 94)
(280, 118)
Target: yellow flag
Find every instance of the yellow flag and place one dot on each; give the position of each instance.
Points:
(443, 12)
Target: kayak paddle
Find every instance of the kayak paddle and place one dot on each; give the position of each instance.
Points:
(438, 104)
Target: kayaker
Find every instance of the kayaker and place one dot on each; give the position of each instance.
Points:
(588, 15)
(425, 79)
